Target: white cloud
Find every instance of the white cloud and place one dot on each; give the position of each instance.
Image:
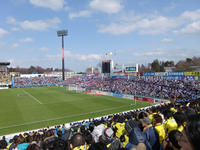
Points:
(3, 32)
(82, 57)
(15, 45)
(52, 4)
(166, 40)
(186, 23)
(117, 29)
(84, 13)
(15, 29)
(192, 29)
(107, 6)
(153, 53)
(175, 54)
(11, 20)
(76, 56)
(192, 15)
(39, 25)
(25, 40)
(171, 7)
(67, 8)
(143, 25)
(44, 49)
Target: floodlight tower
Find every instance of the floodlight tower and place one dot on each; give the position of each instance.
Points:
(62, 33)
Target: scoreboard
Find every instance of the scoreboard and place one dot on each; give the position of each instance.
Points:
(106, 66)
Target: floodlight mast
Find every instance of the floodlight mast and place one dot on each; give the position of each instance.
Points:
(62, 33)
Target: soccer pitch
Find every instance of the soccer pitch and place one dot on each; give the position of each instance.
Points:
(32, 108)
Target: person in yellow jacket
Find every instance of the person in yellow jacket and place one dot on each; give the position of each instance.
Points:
(180, 120)
(124, 139)
(152, 112)
(170, 123)
(119, 128)
(157, 123)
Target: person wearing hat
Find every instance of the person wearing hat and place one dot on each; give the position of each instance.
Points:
(136, 140)
(108, 138)
(150, 134)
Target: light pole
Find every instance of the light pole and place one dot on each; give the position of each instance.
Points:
(62, 33)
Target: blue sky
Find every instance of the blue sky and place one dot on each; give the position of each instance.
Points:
(131, 31)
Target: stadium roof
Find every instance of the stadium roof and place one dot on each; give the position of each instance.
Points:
(4, 63)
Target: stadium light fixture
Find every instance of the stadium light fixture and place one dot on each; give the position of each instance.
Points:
(62, 33)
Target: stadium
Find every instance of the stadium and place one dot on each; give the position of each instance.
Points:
(33, 105)
(126, 77)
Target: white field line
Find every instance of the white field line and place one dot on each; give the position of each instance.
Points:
(64, 101)
(31, 96)
(64, 117)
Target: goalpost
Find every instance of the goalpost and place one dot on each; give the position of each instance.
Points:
(76, 88)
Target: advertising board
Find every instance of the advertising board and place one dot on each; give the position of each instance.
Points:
(192, 73)
(145, 99)
(189, 78)
(128, 96)
(118, 69)
(160, 74)
(148, 74)
(175, 73)
(117, 95)
(131, 68)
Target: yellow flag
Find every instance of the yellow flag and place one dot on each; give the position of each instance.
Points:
(106, 54)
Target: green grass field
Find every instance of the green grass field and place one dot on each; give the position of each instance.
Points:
(32, 108)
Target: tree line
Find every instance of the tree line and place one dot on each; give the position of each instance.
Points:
(189, 64)
(34, 69)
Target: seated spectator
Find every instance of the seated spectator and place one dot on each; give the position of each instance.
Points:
(180, 119)
(150, 133)
(190, 139)
(78, 142)
(3, 144)
(33, 147)
(136, 140)
(109, 140)
(21, 143)
(171, 143)
(157, 123)
(119, 127)
(98, 146)
(98, 130)
(170, 123)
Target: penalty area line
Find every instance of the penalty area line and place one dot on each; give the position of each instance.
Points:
(31, 96)
(64, 117)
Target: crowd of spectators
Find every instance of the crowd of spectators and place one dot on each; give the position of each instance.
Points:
(144, 86)
(36, 81)
(5, 78)
(163, 127)
(21, 82)
(148, 87)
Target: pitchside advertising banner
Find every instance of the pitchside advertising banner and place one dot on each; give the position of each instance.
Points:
(127, 96)
(145, 99)
(117, 95)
